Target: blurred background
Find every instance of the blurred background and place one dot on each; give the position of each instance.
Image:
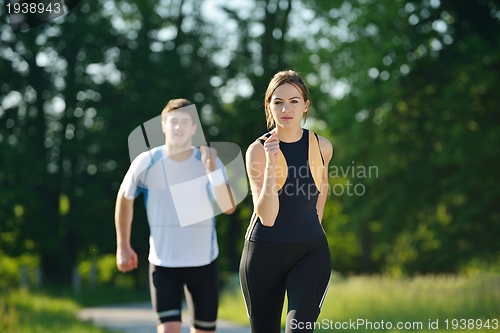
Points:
(405, 91)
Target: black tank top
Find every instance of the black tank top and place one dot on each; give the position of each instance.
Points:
(297, 218)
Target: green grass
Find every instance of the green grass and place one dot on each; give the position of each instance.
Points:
(103, 295)
(370, 298)
(399, 300)
(53, 310)
(25, 312)
(232, 308)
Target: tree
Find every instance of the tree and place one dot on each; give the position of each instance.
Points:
(75, 88)
(417, 102)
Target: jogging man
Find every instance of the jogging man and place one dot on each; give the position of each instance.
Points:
(179, 183)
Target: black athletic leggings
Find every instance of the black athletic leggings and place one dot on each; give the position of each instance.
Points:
(268, 269)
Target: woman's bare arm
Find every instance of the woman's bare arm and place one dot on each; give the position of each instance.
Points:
(327, 152)
(262, 176)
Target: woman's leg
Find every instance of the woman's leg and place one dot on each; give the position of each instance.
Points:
(263, 277)
(307, 283)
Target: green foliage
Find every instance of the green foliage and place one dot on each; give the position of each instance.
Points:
(417, 102)
(413, 300)
(23, 312)
(418, 299)
(478, 265)
(63, 162)
(344, 245)
(406, 87)
(9, 319)
(11, 268)
(103, 295)
(105, 270)
(232, 307)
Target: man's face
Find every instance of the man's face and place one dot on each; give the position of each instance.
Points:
(179, 128)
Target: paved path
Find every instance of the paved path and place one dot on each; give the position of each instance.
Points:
(140, 318)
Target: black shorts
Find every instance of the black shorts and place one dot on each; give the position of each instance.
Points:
(201, 290)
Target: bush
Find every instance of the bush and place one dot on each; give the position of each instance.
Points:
(105, 272)
(12, 268)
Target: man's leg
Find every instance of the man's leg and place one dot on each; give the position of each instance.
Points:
(169, 327)
(202, 296)
(166, 297)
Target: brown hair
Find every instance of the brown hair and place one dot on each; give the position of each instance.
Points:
(280, 78)
(175, 104)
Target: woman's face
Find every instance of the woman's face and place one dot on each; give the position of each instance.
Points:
(287, 106)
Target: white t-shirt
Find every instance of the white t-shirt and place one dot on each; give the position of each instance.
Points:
(178, 200)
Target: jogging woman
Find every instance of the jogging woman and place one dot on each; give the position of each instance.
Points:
(285, 245)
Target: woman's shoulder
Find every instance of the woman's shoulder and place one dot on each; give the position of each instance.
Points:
(325, 146)
(258, 145)
(261, 139)
(255, 149)
(255, 156)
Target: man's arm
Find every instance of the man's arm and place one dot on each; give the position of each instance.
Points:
(224, 198)
(126, 258)
(222, 191)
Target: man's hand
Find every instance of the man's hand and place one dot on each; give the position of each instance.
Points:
(208, 155)
(126, 259)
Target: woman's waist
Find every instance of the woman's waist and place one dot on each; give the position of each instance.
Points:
(286, 230)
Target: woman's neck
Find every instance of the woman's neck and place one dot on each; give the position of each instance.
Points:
(289, 134)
